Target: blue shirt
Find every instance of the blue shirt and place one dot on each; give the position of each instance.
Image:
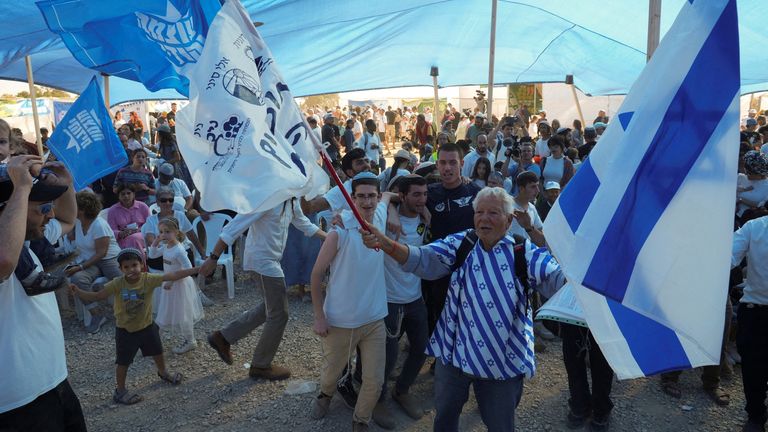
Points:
(485, 329)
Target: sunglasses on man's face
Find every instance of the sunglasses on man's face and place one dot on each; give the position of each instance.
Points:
(165, 200)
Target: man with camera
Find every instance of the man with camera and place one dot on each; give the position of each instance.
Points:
(35, 392)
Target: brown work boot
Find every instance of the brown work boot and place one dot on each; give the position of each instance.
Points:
(320, 406)
(383, 417)
(359, 427)
(409, 404)
(272, 373)
(221, 346)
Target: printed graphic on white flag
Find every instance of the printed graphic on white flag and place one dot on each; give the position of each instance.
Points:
(242, 135)
(644, 229)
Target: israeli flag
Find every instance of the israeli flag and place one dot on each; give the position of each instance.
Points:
(149, 41)
(242, 135)
(644, 229)
(85, 141)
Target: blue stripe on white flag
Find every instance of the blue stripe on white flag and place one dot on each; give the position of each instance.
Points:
(647, 340)
(676, 146)
(575, 200)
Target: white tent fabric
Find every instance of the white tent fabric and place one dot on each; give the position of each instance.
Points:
(346, 45)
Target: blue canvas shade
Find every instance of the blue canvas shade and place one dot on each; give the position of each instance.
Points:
(346, 45)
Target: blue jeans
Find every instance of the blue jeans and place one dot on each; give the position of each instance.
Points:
(497, 399)
(411, 319)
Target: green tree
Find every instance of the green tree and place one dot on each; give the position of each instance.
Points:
(23, 94)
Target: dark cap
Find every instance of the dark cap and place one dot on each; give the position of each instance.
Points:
(41, 192)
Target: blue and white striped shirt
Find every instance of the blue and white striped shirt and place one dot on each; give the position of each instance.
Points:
(485, 329)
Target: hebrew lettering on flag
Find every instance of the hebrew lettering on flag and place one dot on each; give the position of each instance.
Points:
(85, 141)
(644, 229)
(242, 135)
(149, 41)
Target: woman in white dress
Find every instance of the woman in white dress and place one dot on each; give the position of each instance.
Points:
(179, 307)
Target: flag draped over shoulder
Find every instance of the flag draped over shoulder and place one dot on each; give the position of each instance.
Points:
(150, 41)
(85, 141)
(644, 229)
(242, 135)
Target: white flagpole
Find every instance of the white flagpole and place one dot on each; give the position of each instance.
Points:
(491, 58)
(33, 98)
(106, 90)
(434, 72)
(569, 81)
(654, 23)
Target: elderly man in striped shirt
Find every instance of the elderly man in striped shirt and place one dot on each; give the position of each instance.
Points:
(485, 334)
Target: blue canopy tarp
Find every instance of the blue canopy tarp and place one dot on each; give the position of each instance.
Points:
(344, 45)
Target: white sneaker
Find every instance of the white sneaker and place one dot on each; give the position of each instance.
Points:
(187, 345)
(204, 299)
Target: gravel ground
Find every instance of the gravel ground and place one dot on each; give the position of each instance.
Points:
(218, 397)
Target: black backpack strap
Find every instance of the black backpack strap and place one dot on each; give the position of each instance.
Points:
(521, 267)
(467, 243)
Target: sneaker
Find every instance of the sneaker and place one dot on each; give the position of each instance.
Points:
(599, 422)
(217, 341)
(573, 421)
(409, 404)
(348, 394)
(96, 323)
(207, 302)
(753, 426)
(359, 427)
(185, 346)
(271, 373)
(382, 416)
(320, 406)
(543, 332)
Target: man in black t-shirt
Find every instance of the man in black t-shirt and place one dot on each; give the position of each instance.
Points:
(450, 203)
(590, 137)
(389, 135)
(330, 134)
(171, 117)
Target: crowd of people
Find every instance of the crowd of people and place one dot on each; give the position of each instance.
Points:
(449, 252)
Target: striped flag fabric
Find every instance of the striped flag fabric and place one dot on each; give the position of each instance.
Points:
(242, 135)
(644, 229)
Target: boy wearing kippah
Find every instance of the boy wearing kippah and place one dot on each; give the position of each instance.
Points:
(133, 318)
(351, 314)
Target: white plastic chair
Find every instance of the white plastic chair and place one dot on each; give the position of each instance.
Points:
(213, 227)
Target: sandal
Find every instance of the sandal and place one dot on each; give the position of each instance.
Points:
(125, 398)
(672, 388)
(173, 379)
(718, 396)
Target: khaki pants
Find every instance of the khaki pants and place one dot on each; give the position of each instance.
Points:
(390, 134)
(273, 313)
(339, 346)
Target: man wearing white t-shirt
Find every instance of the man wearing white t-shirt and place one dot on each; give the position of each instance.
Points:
(371, 144)
(407, 311)
(527, 222)
(34, 392)
(352, 311)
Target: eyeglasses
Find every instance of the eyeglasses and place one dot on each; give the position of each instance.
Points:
(46, 208)
(165, 200)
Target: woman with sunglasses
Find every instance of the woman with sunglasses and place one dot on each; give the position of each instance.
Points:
(150, 228)
(97, 252)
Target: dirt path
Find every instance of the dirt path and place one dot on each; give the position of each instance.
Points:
(217, 397)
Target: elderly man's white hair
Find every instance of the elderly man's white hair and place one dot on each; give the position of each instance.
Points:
(499, 194)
